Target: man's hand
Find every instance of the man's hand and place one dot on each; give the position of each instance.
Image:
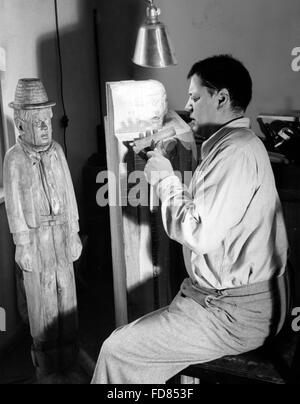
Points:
(76, 246)
(24, 257)
(157, 168)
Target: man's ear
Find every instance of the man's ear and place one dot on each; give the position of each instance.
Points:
(19, 125)
(223, 97)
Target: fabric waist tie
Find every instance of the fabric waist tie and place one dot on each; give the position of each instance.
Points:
(205, 296)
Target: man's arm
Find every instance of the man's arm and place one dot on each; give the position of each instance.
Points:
(222, 194)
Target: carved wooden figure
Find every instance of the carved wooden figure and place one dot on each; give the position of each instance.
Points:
(43, 219)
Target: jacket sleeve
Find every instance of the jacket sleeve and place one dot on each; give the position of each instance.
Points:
(222, 194)
(13, 199)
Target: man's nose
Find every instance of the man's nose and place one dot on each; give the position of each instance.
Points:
(189, 107)
(44, 126)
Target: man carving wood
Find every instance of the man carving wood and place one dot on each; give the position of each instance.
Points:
(231, 226)
(43, 219)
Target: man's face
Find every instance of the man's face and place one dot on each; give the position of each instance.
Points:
(202, 105)
(38, 128)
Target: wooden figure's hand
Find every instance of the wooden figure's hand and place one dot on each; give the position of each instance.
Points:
(24, 257)
(76, 246)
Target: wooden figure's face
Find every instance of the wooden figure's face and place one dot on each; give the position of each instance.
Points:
(37, 129)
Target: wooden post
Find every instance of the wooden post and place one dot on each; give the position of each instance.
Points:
(140, 283)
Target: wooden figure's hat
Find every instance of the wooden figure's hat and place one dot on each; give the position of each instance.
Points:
(31, 94)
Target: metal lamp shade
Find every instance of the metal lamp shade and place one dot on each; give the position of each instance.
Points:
(153, 47)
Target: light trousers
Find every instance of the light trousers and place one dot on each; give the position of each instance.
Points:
(153, 349)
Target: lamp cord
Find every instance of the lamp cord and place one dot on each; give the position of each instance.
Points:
(65, 119)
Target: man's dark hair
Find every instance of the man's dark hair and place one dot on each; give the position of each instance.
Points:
(223, 71)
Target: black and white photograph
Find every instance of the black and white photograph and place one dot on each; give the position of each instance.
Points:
(149, 195)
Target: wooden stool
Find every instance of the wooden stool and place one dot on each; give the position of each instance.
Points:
(277, 362)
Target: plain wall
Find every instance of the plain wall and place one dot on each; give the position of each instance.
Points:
(118, 23)
(261, 33)
(28, 34)
(7, 282)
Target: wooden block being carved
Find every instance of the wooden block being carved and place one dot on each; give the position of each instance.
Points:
(140, 247)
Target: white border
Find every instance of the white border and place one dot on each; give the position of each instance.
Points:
(3, 69)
